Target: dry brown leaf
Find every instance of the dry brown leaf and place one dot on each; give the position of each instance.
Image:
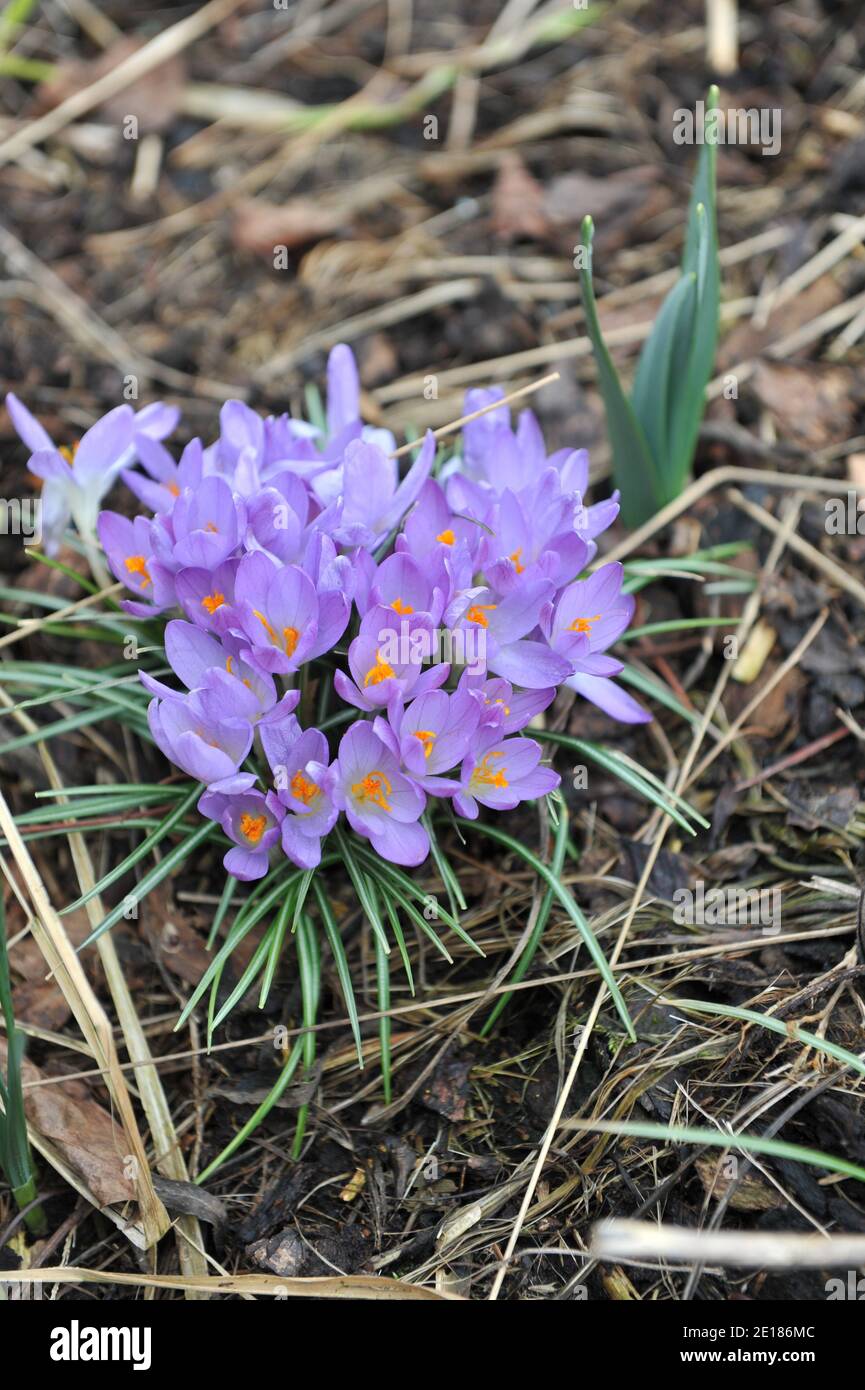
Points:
(81, 1130)
(517, 202)
(172, 937)
(751, 1194)
(260, 227)
(38, 1000)
(154, 100)
(812, 405)
(745, 341)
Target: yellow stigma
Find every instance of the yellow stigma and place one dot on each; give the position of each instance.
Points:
(136, 564)
(173, 489)
(478, 613)
(68, 452)
(212, 526)
(497, 701)
(486, 776)
(515, 560)
(266, 625)
(447, 537)
(213, 601)
(375, 787)
(399, 607)
(252, 827)
(290, 635)
(583, 624)
(379, 672)
(303, 789)
(427, 738)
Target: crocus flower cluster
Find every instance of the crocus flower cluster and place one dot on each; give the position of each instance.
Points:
(445, 609)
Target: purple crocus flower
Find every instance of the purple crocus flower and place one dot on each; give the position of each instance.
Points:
(128, 546)
(386, 661)
(202, 736)
(207, 596)
(501, 774)
(76, 480)
(302, 782)
(285, 622)
(588, 617)
(431, 736)
(399, 584)
(278, 516)
(222, 680)
(501, 707)
(381, 803)
(433, 533)
(251, 822)
(167, 479)
(372, 500)
(535, 537)
(207, 524)
(503, 624)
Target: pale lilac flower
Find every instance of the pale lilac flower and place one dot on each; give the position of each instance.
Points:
(380, 802)
(251, 822)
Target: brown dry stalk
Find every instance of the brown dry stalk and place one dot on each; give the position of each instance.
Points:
(50, 935)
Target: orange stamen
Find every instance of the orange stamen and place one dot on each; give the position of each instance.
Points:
(213, 601)
(447, 537)
(478, 613)
(399, 607)
(485, 776)
(136, 564)
(252, 827)
(303, 789)
(583, 624)
(373, 788)
(427, 738)
(379, 672)
(515, 560)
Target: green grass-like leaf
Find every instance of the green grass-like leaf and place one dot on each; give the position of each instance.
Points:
(570, 905)
(653, 433)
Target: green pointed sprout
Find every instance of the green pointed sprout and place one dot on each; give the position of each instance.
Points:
(653, 433)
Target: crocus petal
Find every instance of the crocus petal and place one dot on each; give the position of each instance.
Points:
(609, 697)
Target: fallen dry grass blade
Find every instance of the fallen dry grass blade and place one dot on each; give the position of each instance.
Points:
(50, 935)
(368, 1287)
(646, 1240)
(169, 1158)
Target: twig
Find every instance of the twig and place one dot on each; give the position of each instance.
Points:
(640, 1240)
(157, 51)
(484, 410)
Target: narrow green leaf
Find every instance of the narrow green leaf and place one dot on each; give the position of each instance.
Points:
(570, 905)
(340, 960)
(634, 468)
(534, 941)
(382, 969)
(164, 828)
(171, 861)
(721, 1139)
